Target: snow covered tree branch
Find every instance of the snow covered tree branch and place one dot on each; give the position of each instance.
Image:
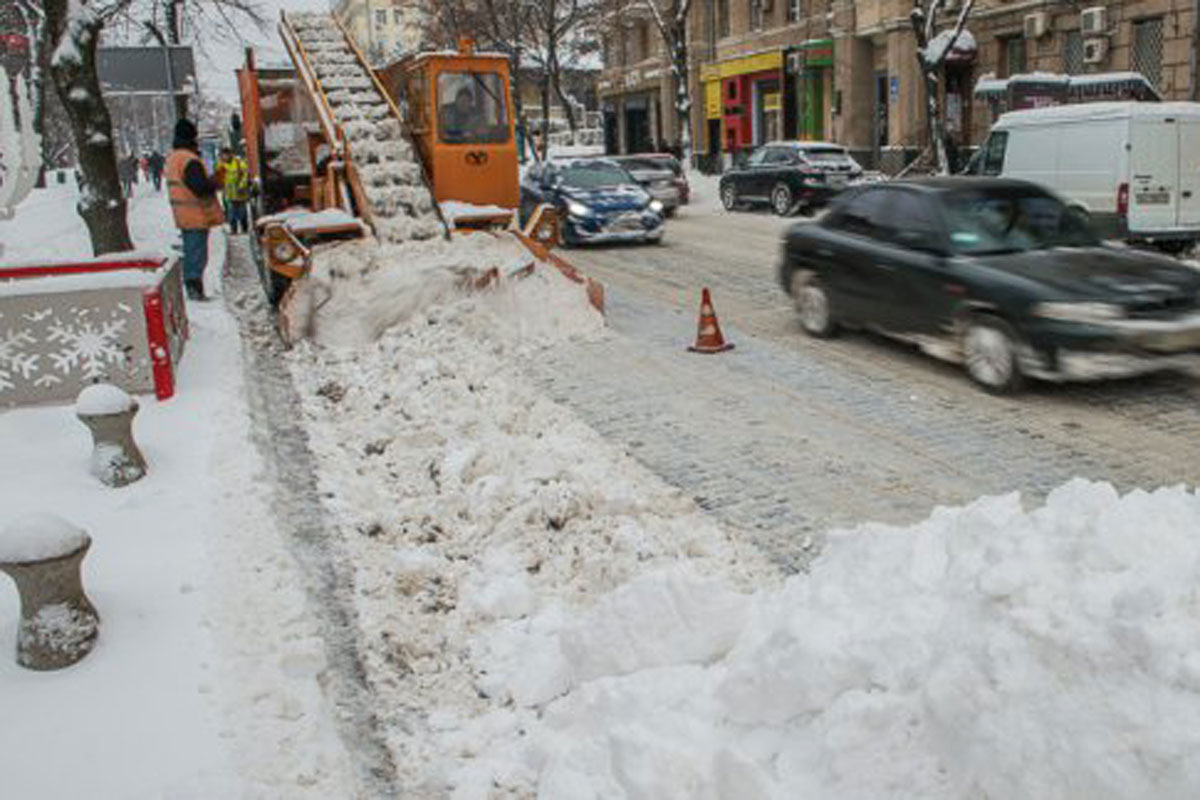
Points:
(672, 27)
(932, 49)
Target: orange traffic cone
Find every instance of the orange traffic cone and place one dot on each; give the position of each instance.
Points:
(708, 335)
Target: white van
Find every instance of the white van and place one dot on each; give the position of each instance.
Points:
(1135, 167)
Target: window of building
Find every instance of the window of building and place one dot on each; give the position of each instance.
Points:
(794, 10)
(1147, 54)
(397, 15)
(381, 18)
(643, 41)
(1012, 56)
(623, 46)
(722, 18)
(756, 15)
(1073, 53)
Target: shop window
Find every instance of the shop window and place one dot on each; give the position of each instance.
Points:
(756, 15)
(1012, 51)
(722, 18)
(1147, 54)
(1073, 53)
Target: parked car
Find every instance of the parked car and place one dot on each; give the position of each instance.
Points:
(790, 177)
(997, 274)
(596, 198)
(660, 161)
(661, 176)
(1134, 167)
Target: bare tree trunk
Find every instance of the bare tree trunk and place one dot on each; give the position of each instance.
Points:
(683, 94)
(37, 33)
(568, 109)
(75, 31)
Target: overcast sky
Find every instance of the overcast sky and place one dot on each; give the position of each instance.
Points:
(220, 58)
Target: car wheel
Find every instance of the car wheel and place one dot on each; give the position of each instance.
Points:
(989, 348)
(782, 202)
(729, 197)
(812, 303)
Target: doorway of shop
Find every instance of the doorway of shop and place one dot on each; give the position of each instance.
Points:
(812, 104)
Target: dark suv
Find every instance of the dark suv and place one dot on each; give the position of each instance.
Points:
(790, 177)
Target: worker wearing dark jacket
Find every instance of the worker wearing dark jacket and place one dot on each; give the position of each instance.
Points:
(194, 204)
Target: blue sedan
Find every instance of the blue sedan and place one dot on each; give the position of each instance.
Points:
(596, 198)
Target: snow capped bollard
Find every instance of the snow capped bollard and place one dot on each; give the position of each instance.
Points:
(43, 553)
(108, 413)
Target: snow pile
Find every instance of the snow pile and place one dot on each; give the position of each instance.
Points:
(466, 503)
(102, 399)
(359, 289)
(986, 652)
(33, 537)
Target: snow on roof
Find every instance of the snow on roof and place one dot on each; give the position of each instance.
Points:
(1109, 77)
(990, 84)
(1105, 110)
(964, 45)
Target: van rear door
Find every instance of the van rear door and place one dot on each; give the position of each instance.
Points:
(1189, 173)
(1153, 169)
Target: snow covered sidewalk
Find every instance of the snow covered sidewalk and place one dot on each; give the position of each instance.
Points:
(204, 680)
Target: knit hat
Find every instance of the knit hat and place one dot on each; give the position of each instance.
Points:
(186, 133)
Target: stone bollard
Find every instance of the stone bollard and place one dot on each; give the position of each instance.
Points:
(108, 412)
(43, 553)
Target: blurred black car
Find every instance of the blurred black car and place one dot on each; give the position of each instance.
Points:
(596, 198)
(999, 275)
(790, 177)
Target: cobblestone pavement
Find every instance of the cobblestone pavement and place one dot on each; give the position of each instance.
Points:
(787, 436)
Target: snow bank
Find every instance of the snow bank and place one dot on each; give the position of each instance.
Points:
(359, 289)
(33, 537)
(467, 505)
(986, 652)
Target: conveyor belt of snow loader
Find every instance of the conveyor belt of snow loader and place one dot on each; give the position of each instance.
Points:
(364, 126)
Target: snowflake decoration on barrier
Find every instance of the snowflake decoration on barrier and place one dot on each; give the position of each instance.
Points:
(87, 346)
(15, 360)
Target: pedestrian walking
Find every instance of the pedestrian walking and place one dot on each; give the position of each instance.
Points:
(155, 164)
(125, 168)
(193, 195)
(233, 174)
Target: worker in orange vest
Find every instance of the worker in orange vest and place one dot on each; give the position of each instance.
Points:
(194, 204)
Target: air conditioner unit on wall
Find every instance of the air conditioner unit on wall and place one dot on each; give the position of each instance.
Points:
(1036, 25)
(1093, 21)
(1095, 51)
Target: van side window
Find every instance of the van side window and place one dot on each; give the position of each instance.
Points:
(993, 158)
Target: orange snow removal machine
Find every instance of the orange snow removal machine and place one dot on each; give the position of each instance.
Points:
(422, 148)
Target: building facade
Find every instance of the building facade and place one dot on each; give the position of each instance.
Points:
(384, 29)
(847, 71)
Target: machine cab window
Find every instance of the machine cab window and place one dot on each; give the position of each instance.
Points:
(471, 108)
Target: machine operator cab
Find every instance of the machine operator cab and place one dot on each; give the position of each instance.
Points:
(459, 112)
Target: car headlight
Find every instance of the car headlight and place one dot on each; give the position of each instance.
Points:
(656, 206)
(578, 209)
(1079, 312)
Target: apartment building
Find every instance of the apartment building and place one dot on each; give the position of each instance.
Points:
(847, 71)
(383, 28)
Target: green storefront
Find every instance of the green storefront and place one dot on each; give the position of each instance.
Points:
(810, 78)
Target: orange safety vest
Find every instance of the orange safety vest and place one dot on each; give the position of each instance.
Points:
(191, 212)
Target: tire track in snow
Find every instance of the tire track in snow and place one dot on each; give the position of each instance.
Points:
(283, 443)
